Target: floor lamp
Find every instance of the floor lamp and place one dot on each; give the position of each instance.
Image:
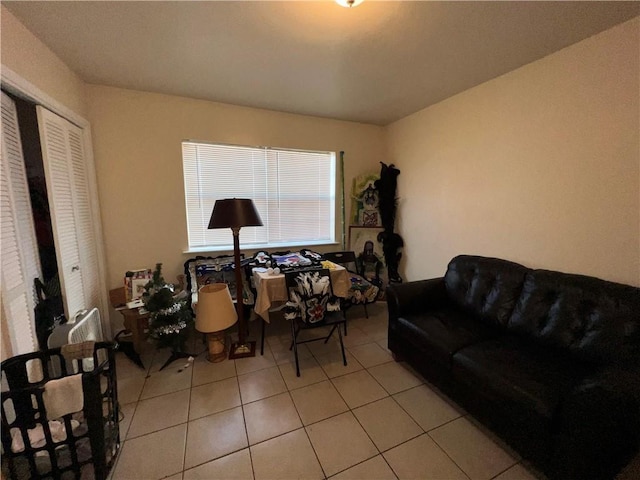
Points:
(235, 213)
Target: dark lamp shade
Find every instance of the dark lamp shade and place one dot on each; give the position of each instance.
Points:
(234, 213)
(215, 310)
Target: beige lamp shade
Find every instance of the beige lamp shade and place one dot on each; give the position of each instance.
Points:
(215, 310)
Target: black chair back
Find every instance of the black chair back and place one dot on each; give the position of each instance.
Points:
(312, 304)
(347, 259)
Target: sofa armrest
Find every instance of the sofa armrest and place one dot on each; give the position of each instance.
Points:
(599, 423)
(414, 297)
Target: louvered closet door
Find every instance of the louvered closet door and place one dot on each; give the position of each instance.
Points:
(85, 232)
(20, 263)
(65, 198)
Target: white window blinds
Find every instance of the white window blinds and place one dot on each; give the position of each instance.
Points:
(294, 192)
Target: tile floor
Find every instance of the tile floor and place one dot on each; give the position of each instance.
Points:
(253, 418)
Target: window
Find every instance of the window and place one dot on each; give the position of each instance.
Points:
(293, 190)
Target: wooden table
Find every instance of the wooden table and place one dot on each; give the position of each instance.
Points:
(133, 320)
(272, 290)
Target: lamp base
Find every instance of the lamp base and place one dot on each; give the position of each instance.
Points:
(242, 350)
(217, 347)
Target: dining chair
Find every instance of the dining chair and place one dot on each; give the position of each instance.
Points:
(312, 305)
(361, 291)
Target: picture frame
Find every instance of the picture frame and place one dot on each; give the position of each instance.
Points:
(137, 287)
(134, 283)
(358, 238)
(364, 206)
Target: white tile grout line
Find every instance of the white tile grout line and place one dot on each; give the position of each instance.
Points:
(304, 427)
(186, 430)
(244, 419)
(288, 390)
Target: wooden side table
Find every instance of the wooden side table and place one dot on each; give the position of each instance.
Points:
(133, 320)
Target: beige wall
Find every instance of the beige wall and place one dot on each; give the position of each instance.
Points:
(540, 166)
(137, 144)
(27, 56)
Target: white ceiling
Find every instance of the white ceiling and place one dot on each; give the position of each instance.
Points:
(374, 63)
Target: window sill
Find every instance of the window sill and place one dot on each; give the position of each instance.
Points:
(256, 247)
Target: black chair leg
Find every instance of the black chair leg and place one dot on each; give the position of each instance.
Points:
(262, 338)
(344, 357)
(292, 343)
(366, 313)
(294, 334)
(330, 333)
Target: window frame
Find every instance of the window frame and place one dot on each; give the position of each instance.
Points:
(244, 243)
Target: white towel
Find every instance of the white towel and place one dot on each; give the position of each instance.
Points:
(63, 396)
(36, 435)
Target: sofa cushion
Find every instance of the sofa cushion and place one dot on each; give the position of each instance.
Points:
(513, 372)
(444, 331)
(485, 287)
(594, 319)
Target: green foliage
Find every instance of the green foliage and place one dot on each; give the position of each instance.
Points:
(170, 316)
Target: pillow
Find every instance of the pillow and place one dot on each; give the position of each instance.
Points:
(290, 261)
(310, 298)
(315, 257)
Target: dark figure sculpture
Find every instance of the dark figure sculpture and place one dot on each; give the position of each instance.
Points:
(391, 242)
(369, 265)
(387, 202)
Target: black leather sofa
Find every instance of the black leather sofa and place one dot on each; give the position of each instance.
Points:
(549, 361)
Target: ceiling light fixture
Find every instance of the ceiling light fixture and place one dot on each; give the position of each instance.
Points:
(349, 3)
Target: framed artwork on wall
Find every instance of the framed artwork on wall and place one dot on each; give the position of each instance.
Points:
(364, 242)
(364, 201)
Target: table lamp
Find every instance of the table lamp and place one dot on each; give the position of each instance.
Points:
(214, 314)
(235, 213)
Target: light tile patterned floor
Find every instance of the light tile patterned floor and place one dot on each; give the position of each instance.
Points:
(254, 419)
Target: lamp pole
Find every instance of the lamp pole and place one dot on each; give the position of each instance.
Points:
(343, 219)
(242, 348)
(239, 307)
